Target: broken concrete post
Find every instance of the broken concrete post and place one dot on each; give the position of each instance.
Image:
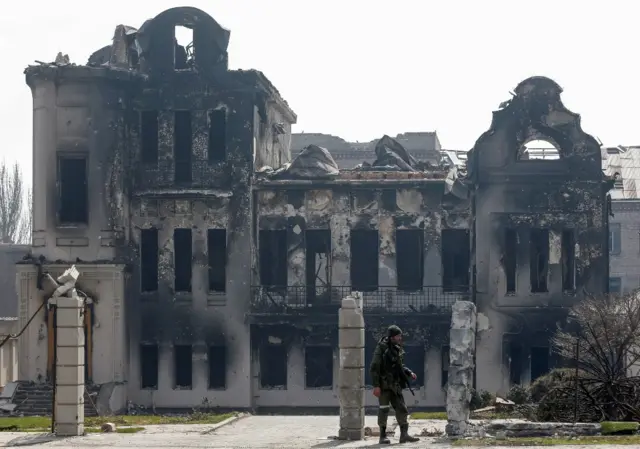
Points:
(351, 375)
(462, 348)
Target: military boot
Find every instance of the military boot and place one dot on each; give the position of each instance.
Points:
(383, 436)
(404, 435)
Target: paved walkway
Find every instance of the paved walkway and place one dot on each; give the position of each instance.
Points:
(253, 432)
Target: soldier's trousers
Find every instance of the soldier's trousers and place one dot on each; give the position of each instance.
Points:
(388, 399)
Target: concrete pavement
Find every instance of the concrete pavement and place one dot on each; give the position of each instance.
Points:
(253, 432)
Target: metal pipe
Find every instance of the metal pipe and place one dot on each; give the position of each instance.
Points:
(575, 399)
(54, 369)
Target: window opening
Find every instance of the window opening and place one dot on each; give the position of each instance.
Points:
(73, 204)
(539, 260)
(410, 259)
(456, 254)
(217, 255)
(364, 259)
(149, 260)
(183, 364)
(183, 254)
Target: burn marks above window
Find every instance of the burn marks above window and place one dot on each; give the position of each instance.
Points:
(73, 190)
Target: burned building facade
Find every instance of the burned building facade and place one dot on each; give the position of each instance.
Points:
(213, 264)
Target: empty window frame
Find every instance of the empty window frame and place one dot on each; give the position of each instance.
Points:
(318, 264)
(364, 259)
(217, 257)
(615, 232)
(183, 254)
(183, 47)
(539, 362)
(318, 366)
(183, 366)
(217, 359)
(149, 366)
(149, 260)
(510, 258)
(539, 260)
(273, 366)
(444, 366)
(568, 260)
(73, 190)
(515, 363)
(456, 258)
(410, 259)
(273, 257)
(182, 142)
(149, 136)
(217, 145)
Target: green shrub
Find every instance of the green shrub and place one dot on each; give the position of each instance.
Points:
(481, 399)
(518, 395)
(544, 384)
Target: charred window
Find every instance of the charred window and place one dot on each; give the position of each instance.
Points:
(73, 194)
(539, 260)
(149, 136)
(614, 238)
(149, 366)
(318, 269)
(149, 260)
(568, 260)
(511, 258)
(273, 257)
(182, 253)
(539, 362)
(273, 366)
(615, 285)
(182, 138)
(515, 363)
(414, 360)
(455, 260)
(183, 365)
(410, 259)
(364, 259)
(217, 148)
(217, 255)
(318, 366)
(217, 367)
(444, 368)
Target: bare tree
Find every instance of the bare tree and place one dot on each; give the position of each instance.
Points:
(603, 343)
(15, 215)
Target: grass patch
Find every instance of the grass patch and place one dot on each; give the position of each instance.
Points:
(548, 441)
(443, 415)
(619, 428)
(43, 423)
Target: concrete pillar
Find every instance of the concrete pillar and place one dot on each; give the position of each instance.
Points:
(69, 419)
(462, 346)
(351, 375)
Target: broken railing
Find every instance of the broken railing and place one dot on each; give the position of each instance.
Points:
(383, 299)
(170, 173)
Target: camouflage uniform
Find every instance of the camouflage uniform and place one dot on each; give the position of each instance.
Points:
(389, 373)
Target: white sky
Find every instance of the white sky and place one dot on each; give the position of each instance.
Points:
(363, 68)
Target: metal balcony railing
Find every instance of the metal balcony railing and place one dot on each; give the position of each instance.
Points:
(383, 299)
(171, 173)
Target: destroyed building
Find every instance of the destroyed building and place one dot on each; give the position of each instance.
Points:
(214, 263)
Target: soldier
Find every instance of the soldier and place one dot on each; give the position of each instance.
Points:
(390, 376)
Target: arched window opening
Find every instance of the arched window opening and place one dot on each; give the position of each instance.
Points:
(183, 54)
(539, 150)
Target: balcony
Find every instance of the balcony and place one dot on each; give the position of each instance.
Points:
(303, 300)
(173, 174)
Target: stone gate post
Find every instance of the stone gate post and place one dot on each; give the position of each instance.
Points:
(351, 373)
(462, 348)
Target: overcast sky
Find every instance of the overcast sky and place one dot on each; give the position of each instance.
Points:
(363, 68)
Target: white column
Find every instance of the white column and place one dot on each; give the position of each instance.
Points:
(69, 419)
